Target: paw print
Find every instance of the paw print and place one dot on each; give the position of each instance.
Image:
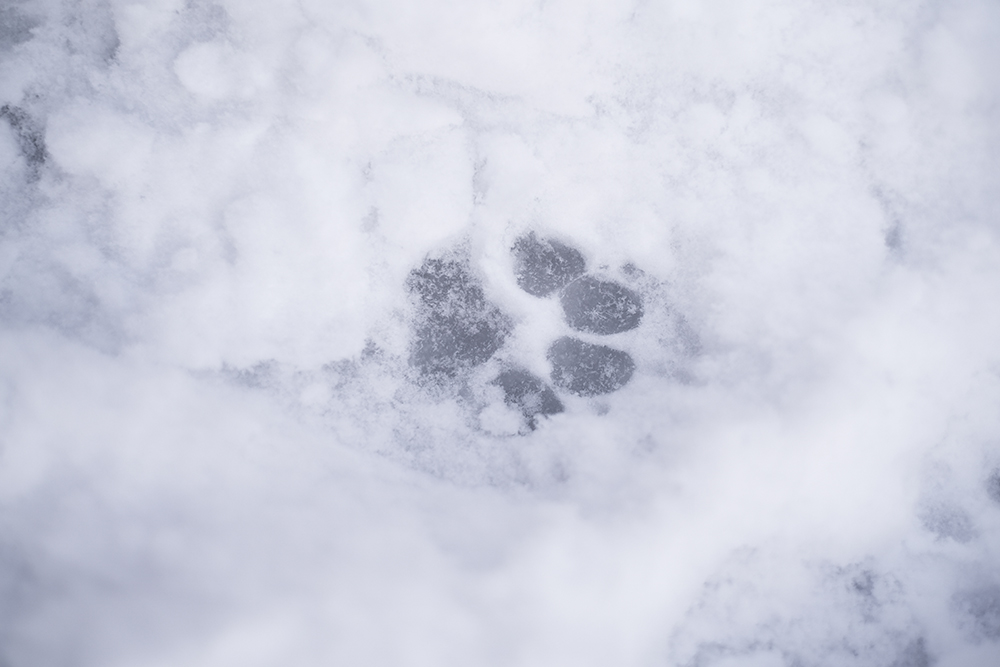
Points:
(456, 329)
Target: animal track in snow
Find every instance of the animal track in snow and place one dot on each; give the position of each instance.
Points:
(457, 329)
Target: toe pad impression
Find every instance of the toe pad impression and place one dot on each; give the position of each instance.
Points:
(544, 265)
(523, 390)
(600, 306)
(589, 370)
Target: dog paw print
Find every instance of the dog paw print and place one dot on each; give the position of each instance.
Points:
(457, 329)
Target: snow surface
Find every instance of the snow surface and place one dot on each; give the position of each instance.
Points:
(214, 449)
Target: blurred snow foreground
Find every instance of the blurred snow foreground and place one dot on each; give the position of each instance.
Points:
(562, 333)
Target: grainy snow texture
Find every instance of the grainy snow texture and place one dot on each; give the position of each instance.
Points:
(652, 333)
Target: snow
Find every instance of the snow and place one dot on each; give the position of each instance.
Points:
(218, 445)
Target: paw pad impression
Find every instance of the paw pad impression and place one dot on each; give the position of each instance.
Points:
(528, 393)
(456, 328)
(589, 370)
(600, 306)
(543, 266)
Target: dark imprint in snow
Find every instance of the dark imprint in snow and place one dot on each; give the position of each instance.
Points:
(600, 306)
(457, 328)
(590, 305)
(589, 370)
(542, 266)
(529, 394)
